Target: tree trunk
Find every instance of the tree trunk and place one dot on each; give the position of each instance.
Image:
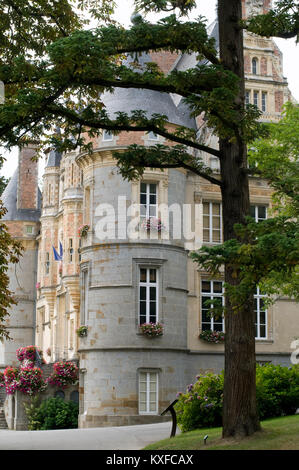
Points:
(240, 416)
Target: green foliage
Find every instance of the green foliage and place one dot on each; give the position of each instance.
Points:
(31, 410)
(201, 405)
(53, 413)
(277, 389)
(185, 6)
(61, 83)
(264, 253)
(276, 158)
(283, 21)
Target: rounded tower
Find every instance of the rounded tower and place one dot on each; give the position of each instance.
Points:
(131, 277)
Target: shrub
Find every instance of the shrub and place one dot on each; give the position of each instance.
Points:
(277, 390)
(53, 413)
(201, 405)
(31, 410)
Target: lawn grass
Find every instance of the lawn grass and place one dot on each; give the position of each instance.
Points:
(277, 434)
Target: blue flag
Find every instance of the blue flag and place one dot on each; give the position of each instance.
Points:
(61, 250)
(57, 257)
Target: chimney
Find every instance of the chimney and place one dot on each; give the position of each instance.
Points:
(255, 7)
(27, 195)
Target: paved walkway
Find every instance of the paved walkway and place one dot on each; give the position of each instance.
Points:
(112, 438)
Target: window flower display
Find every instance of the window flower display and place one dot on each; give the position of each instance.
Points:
(152, 224)
(151, 329)
(82, 231)
(82, 331)
(212, 336)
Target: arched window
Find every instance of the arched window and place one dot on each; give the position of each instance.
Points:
(254, 64)
(59, 394)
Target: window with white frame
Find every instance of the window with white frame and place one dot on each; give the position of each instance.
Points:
(214, 164)
(29, 229)
(264, 102)
(152, 136)
(107, 136)
(148, 392)
(256, 98)
(148, 200)
(260, 315)
(212, 222)
(211, 297)
(148, 295)
(258, 212)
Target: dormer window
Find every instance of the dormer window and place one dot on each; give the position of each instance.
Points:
(153, 136)
(107, 136)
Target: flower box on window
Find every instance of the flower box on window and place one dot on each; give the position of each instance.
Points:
(82, 331)
(212, 336)
(151, 329)
(152, 224)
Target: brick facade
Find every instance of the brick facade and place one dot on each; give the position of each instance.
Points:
(28, 179)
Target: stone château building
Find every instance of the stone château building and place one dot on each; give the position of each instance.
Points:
(113, 283)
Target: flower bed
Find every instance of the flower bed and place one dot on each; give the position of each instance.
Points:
(64, 374)
(212, 336)
(151, 329)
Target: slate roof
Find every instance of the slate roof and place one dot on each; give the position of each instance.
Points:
(152, 102)
(9, 199)
(54, 159)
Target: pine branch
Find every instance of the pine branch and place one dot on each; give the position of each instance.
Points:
(123, 125)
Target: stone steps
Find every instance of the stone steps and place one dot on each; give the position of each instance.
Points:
(2, 395)
(3, 423)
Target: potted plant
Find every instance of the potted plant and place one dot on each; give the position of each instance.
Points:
(151, 329)
(82, 231)
(64, 373)
(82, 331)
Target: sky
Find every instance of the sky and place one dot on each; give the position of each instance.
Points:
(207, 9)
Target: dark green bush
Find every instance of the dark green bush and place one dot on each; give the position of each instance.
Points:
(54, 413)
(277, 389)
(201, 405)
